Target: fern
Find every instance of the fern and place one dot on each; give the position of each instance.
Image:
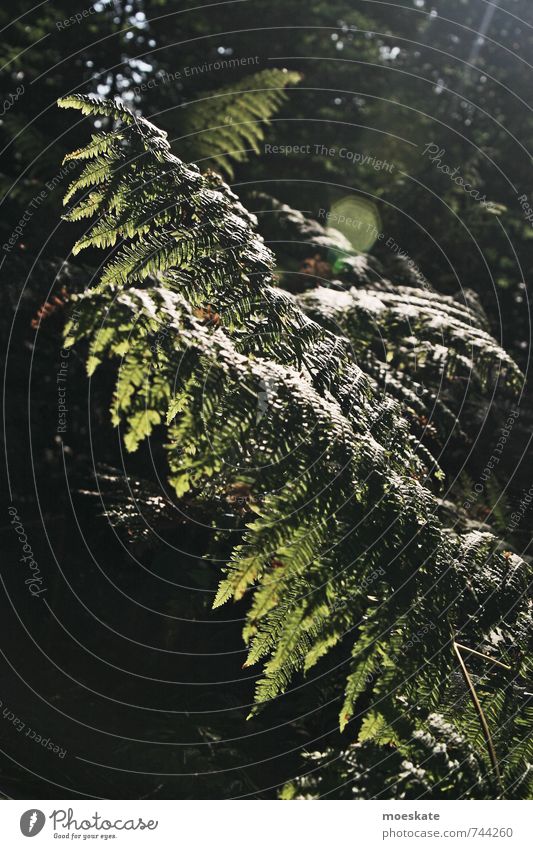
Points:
(342, 492)
(431, 352)
(425, 756)
(224, 126)
(434, 761)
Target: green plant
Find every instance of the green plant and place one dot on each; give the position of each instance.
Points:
(225, 125)
(337, 538)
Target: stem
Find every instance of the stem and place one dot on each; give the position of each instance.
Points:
(485, 656)
(479, 711)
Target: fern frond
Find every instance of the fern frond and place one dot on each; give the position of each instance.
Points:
(346, 544)
(224, 126)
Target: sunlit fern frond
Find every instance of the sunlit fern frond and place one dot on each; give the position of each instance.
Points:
(227, 125)
(340, 540)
